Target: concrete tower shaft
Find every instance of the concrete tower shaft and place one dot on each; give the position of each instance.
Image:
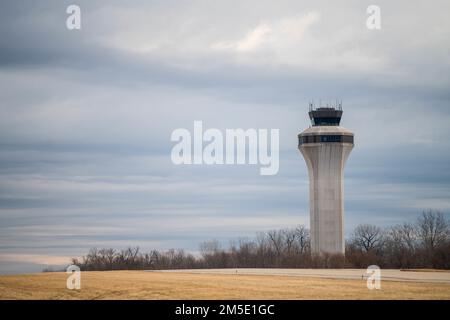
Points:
(326, 148)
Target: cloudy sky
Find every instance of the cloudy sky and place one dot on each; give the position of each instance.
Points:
(86, 117)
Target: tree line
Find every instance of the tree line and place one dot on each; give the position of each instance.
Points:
(423, 244)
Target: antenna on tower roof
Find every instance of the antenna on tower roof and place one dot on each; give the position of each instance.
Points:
(335, 104)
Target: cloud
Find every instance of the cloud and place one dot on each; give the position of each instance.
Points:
(251, 41)
(271, 36)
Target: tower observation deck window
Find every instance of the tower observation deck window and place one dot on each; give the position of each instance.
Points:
(330, 138)
(325, 121)
(325, 138)
(325, 116)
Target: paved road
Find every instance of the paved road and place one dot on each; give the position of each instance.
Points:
(357, 274)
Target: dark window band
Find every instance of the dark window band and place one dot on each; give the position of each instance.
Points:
(325, 138)
(332, 121)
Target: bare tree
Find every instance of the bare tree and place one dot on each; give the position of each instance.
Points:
(107, 257)
(433, 230)
(210, 251)
(246, 253)
(276, 240)
(303, 238)
(404, 235)
(400, 247)
(420, 245)
(208, 248)
(367, 237)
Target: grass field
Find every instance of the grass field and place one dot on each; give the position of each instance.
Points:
(159, 285)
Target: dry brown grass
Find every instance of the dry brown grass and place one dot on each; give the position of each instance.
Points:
(158, 285)
(425, 270)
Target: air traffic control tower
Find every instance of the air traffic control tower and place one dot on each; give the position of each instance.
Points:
(326, 146)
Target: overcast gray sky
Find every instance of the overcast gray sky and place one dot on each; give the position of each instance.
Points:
(86, 118)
